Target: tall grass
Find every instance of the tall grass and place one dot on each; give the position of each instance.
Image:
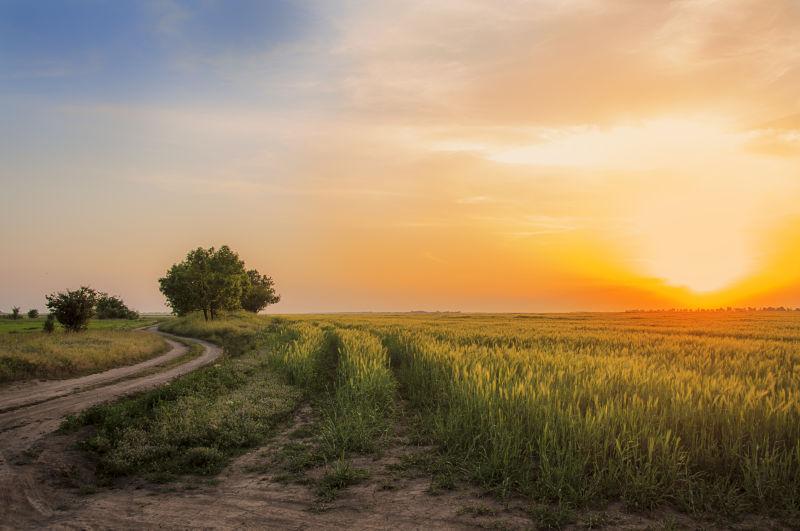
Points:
(359, 417)
(303, 357)
(701, 411)
(62, 355)
(712, 429)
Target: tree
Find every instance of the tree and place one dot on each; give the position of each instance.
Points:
(259, 292)
(49, 324)
(227, 281)
(209, 280)
(73, 309)
(33, 314)
(15, 313)
(182, 290)
(113, 307)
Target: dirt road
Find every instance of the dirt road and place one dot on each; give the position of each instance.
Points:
(29, 412)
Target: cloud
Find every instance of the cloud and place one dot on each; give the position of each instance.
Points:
(555, 63)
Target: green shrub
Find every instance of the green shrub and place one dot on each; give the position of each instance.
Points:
(112, 307)
(73, 309)
(49, 324)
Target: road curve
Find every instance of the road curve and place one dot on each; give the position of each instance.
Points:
(28, 393)
(29, 412)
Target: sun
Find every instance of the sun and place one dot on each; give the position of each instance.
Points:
(689, 241)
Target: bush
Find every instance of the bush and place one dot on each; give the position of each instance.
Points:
(33, 314)
(73, 309)
(112, 307)
(15, 313)
(49, 324)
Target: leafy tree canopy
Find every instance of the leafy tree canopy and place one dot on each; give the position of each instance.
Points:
(73, 309)
(259, 292)
(113, 307)
(211, 280)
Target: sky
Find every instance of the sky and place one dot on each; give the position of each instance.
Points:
(473, 155)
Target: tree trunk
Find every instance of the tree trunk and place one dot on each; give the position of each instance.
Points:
(205, 314)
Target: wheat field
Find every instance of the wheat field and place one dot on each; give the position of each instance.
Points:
(698, 410)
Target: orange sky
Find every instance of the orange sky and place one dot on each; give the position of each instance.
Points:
(457, 154)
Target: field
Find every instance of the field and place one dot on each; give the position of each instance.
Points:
(27, 352)
(699, 412)
(15, 326)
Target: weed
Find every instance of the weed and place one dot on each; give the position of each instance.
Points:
(340, 475)
(552, 516)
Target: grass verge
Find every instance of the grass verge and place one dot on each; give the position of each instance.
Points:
(192, 425)
(61, 355)
(25, 325)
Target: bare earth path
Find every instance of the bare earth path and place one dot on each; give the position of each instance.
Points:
(30, 412)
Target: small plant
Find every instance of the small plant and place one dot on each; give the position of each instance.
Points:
(295, 458)
(340, 476)
(49, 324)
(15, 313)
(33, 313)
(552, 516)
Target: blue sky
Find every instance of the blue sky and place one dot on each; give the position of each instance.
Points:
(124, 50)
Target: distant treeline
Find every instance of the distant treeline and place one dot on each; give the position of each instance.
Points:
(728, 309)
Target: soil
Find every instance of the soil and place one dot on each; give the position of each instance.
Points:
(31, 412)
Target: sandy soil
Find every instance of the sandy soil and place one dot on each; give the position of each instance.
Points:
(32, 411)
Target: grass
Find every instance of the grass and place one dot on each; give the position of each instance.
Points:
(231, 326)
(25, 325)
(699, 412)
(702, 424)
(552, 516)
(62, 355)
(192, 425)
(339, 475)
(359, 415)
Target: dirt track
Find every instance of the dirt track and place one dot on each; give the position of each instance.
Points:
(29, 412)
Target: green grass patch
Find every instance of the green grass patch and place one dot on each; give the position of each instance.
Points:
(360, 413)
(227, 327)
(340, 475)
(552, 516)
(62, 355)
(25, 325)
(193, 425)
